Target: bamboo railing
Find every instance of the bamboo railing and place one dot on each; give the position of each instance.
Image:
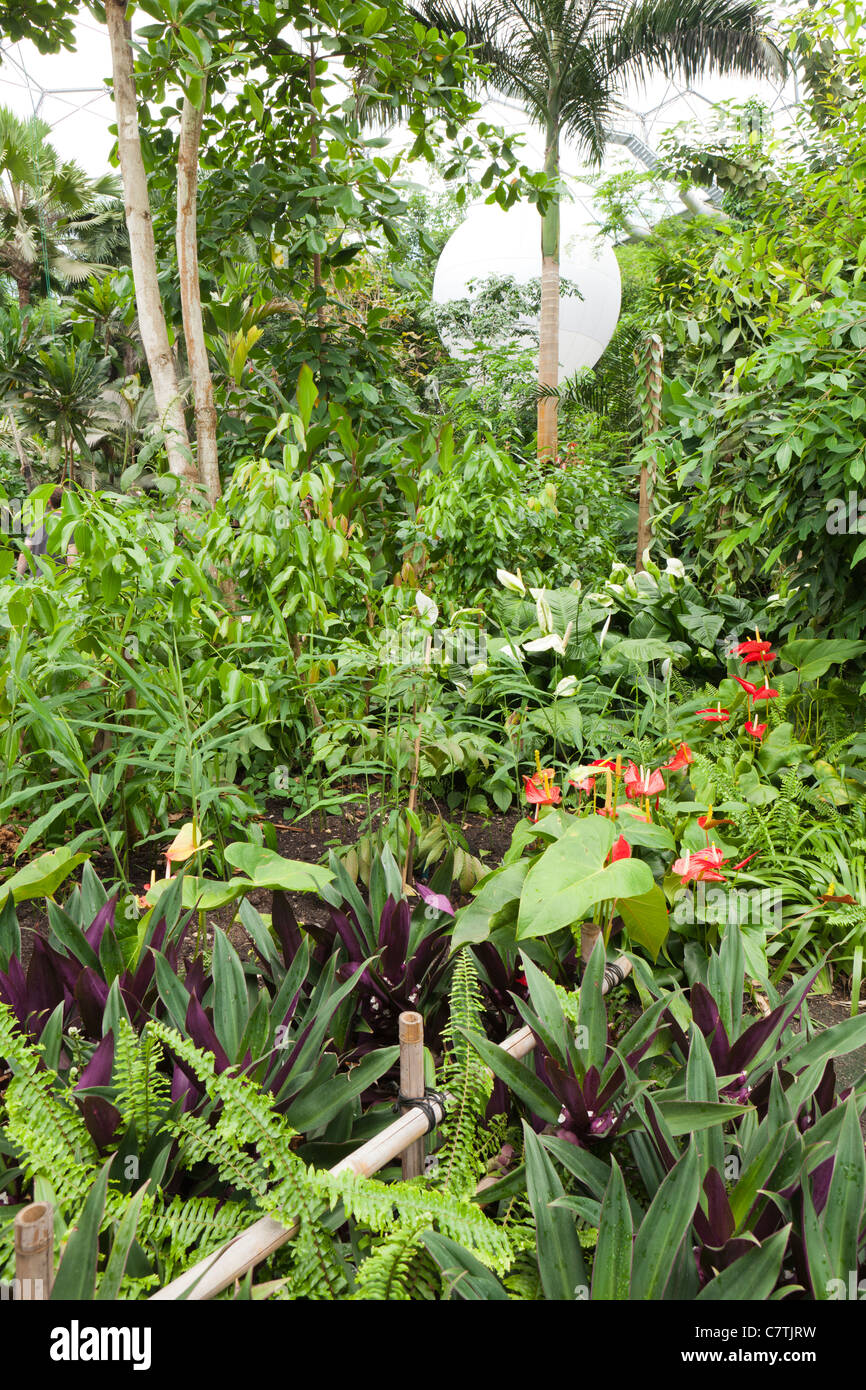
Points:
(231, 1262)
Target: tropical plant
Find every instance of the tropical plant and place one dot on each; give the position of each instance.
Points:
(56, 223)
(566, 63)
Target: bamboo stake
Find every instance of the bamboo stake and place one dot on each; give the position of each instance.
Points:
(34, 1252)
(222, 1268)
(411, 1035)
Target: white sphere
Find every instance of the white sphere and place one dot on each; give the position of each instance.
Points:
(494, 242)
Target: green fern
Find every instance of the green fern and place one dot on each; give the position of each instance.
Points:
(465, 1078)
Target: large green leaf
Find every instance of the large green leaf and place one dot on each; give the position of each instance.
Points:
(571, 877)
(646, 919)
(812, 657)
(42, 877)
(267, 869)
(495, 895)
(317, 1105)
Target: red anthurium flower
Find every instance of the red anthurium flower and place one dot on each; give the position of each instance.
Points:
(749, 688)
(540, 790)
(642, 782)
(714, 716)
(621, 850)
(761, 657)
(754, 647)
(588, 782)
(703, 865)
(681, 758)
(756, 730)
(700, 866)
(541, 795)
(764, 693)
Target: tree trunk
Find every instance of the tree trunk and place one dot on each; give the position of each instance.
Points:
(23, 292)
(142, 249)
(548, 337)
(190, 298)
(650, 357)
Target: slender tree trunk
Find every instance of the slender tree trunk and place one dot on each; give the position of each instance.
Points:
(23, 293)
(314, 153)
(142, 249)
(650, 358)
(548, 338)
(190, 298)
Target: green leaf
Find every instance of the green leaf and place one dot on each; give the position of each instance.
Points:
(320, 1104)
(843, 1214)
(571, 877)
(646, 919)
(466, 1276)
(812, 657)
(267, 869)
(611, 1269)
(753, 1276)
(516, 1076)
(307, 391)
(664, 1228)
(42, 877)
(230, 999)
(109, 1284)
(560, 1258)
(76, 1277)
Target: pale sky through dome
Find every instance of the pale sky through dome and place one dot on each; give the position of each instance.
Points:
(69, 91)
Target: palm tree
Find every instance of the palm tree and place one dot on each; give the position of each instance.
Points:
(56, 223)
(567, 62)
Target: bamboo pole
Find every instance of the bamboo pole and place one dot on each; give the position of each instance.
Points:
(34, 1252)
(411, 1033)
(222, 1268)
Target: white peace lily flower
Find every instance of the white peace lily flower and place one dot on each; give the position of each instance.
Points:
(513, 582)
(603, 633)
(630, 586)
(675, 567)
(544, 615)
(512, 653)
(649, 564)
(566, 687)
(551, 642)
(478, 669)
(666, 668)
(426, 606)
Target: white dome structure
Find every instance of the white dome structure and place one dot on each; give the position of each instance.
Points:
(494, 242)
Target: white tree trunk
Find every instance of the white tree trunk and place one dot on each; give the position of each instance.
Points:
(151, 315)
(190, 298)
